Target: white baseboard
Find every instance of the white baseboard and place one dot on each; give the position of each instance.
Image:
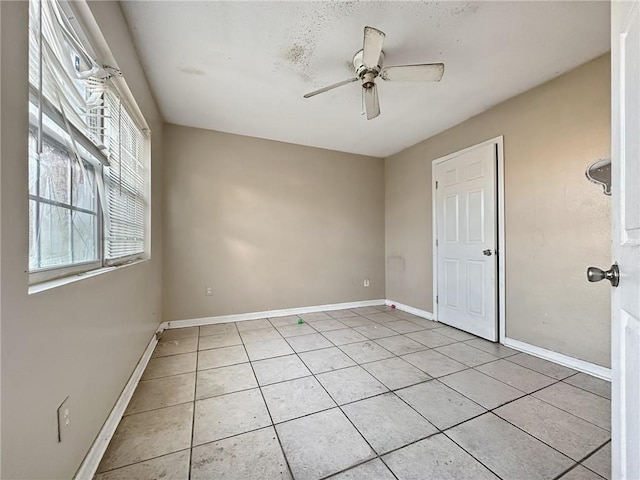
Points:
(565, 360)
(413, 311)
(196, 322)
(559, 358)
(92, 460)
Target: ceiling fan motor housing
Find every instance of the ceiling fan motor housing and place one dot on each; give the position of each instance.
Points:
(367, 75)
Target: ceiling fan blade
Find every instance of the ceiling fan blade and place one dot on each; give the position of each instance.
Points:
(428, 72)
(330, 87)
(372, 46)
(371, 104)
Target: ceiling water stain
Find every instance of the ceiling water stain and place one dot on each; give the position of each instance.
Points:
(315, 20)
(297, 58)
(341, 8)
(296, 54)
(191, 71)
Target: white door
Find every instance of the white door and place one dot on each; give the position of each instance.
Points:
(465, 208)
(625, 333)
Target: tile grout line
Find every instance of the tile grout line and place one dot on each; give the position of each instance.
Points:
(591, 455)
(343, 413)
(141, 461)
(595, 451)
(380, 394)
(469, 453)
(193, 415)
(580, 462)
(266, 406)
(565, 471)
(566, 411)
(359, 464)
(389, 468)
(556, 381)
(349, 420)
(573, 467)
(380, 456)
(492, 410)
(438, 430)
(251, 430)
(159, 408)
(531, 435)
(584, 389)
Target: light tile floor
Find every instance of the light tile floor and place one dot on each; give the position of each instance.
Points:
(368, 393)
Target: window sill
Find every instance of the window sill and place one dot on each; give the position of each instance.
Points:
(59, 282)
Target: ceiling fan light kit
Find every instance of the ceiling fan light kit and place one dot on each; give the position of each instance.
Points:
(368, 64)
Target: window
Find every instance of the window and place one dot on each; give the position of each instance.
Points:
(87, 152)
(63, 213)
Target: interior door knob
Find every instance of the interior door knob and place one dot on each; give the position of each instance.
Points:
(487, 252)
(595, 274)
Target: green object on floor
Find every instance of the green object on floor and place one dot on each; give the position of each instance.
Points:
(300, 321)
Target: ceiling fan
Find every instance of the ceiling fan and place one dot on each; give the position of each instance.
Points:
(368, 65)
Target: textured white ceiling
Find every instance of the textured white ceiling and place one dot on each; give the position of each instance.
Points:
(243, 67)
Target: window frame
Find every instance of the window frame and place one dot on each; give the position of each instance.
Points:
(96, 157)
(41, 274)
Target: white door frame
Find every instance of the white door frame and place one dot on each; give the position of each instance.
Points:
(500, 247)
(625, 431)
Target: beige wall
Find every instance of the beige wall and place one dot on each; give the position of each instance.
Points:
(557, 223)
(76, 340)
(267, 225)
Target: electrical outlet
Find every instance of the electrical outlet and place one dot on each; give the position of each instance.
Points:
(366, 282)
(208, 291)
(64, 419)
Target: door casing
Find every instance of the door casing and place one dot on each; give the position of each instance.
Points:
(500, 234)
(625, 309)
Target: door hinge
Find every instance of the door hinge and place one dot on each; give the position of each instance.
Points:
(436, 298)
(436, 184)
(436, 242)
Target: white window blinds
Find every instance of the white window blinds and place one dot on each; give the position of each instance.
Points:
(125, 184)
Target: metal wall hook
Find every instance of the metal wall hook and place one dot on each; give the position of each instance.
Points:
(600, 172)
